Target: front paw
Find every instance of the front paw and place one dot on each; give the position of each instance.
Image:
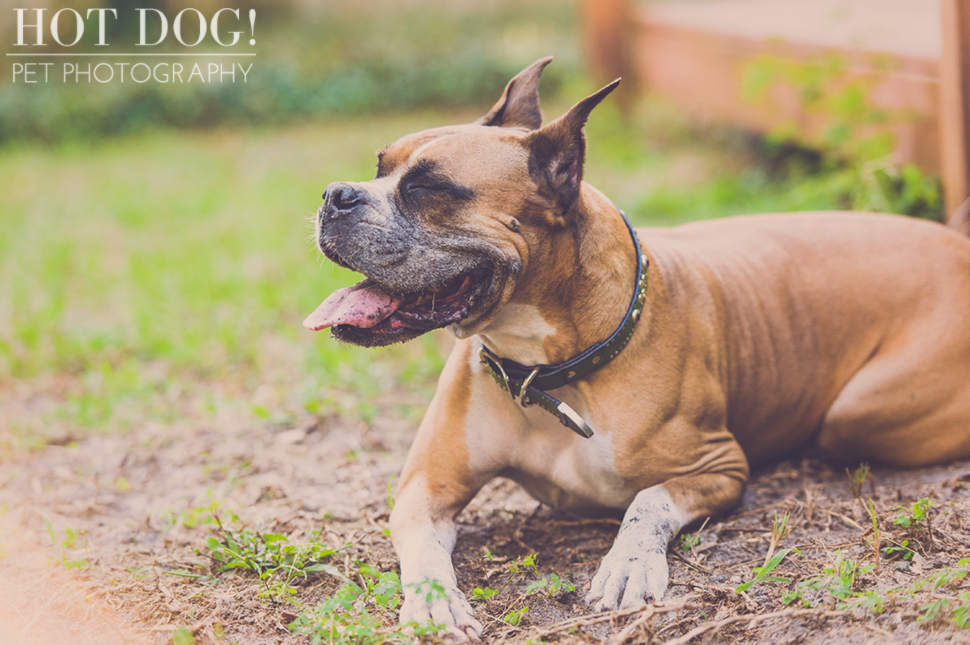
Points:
(627, 578)
(432, 602)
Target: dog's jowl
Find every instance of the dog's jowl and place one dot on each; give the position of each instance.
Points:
(640, 371)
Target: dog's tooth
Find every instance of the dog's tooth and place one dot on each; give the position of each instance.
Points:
(448, 286)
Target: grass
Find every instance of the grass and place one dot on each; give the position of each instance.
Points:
(165, 276)
(362, 607)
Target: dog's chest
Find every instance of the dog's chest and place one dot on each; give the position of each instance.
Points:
(531, 446)
(564, 470)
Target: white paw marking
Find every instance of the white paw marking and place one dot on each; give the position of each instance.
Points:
(635, 571)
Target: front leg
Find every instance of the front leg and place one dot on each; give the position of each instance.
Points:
(635, 570)
(424, 533)
(442, 474)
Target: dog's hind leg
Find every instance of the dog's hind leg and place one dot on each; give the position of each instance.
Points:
(908, 406)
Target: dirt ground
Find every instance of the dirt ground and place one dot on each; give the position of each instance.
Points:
(131, 514)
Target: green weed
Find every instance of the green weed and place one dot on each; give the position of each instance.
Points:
(505, 603)
(898, 549)
(553, 586)
(875, 541)
(279, 564)
(917, 520)
(481, 594)
(203, 511)
(523, 564)
(358, 614)
(916, 516)
(857, 479)
(780, 529)
(688, 541)
(516, 616)
(72, 540)
(763, 574)
(955, 610)
(949, 576)
(961, 614)
(836, 582)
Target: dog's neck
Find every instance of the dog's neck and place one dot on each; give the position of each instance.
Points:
(594, 284)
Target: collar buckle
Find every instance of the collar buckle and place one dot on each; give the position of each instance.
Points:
(524, 388)
(494, 365)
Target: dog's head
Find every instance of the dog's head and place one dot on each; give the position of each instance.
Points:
(447, 229)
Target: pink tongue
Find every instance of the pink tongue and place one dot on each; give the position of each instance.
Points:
(362, 305)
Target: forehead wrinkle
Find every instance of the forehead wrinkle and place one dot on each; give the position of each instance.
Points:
(424, 146)
(487, 159)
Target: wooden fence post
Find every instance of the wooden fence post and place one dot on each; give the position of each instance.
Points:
(955, 104)
(607, 26)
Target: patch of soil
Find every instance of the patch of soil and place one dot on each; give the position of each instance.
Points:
(132, 513)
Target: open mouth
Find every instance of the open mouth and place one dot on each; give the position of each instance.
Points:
(379, 314)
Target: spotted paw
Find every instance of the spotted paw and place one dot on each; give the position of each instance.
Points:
(628, 578)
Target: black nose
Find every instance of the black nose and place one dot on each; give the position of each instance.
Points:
(341, 197)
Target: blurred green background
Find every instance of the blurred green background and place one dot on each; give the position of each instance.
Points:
(154, 254)
(314, 60)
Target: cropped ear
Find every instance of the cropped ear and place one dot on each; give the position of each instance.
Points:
(557, 151)
(519, 105)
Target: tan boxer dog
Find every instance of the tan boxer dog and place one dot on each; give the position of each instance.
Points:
(719, 345)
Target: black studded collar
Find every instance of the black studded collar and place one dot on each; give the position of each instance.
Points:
(530, 383)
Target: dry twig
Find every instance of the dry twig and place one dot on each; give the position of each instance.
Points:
(847, 520)
(602, 617)
(753, 619)
(693, 565)
(648, 614)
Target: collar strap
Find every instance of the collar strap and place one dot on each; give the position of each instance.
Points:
(534, 380)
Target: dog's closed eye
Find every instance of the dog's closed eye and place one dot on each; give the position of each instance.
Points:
(416, 188)
(431, 187)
